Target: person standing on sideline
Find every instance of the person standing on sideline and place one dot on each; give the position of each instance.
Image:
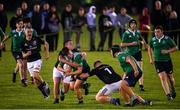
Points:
(144, 23)
(91, 22)
(67, 22)
(79, 21)
(131, 40)
(122, 20)
(160, 47)
(112, 14)
(105, 26)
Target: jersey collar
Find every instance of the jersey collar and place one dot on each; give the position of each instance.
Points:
(133, 32)
(159, 39)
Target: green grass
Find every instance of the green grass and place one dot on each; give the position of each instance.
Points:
(13, 96)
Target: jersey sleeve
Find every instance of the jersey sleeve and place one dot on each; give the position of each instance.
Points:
(124, 37)
(92, 72)
(171, 43)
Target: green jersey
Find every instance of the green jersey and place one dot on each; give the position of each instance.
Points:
(127, 66)
(129, 37)
(158, 45)
(17, 40)
(80, 60)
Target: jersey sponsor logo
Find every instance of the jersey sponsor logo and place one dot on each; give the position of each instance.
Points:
(154, 43)
(25, 44)
(34, 42)
(15, 35)
(130, 36)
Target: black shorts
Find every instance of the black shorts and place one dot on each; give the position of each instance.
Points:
(131, 79)
(166, 66)
(17, 55)
(138, 56)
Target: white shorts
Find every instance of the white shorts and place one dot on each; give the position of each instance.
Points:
(109, 88)
(34, 66)
(57, 73)
(67, 79)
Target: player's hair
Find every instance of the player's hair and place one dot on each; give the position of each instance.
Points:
(19, 20)
(65, 42)
(159, 27)
(132, 21)
(96, 62)
(115, 49)
(64, 51)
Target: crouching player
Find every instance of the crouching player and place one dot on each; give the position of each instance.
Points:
(31, 51)
(132, 74)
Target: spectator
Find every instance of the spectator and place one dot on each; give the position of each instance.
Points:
(3, 18)
(54, 27)
(105, 25)
(157, 16)
(122, 21)
(79, 21)
(172, 26)
(167, 12)
(25, 10)
(144, 24)
(36, 19)
(3, 21)
(45, 14)
(112, 14)
(67, 22)
(15, 18)
(91, 22)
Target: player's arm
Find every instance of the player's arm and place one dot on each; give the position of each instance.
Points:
(78, 71)
(5, 39)
(63, 70)
(123, 44)
(46, 48)
(133, 64)
(169, 50)
(72, 64)
(150, 53)
(26, 54)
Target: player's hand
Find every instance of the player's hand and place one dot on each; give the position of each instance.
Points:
(164, 51)
(136, 73)
(134, 43)
(28, 53)
(151, 61)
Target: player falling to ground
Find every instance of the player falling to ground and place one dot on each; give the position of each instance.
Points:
(132, 40)
(17, 37)
(58, 76)
(159, 53)
(31, 51)
(132, 73)
(82, 68)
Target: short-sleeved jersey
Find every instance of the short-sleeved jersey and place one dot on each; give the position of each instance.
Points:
(17, 40)
(34, 46)
(127, 68)
(129, 37)
(106, 74)
(80, 60)
(161, 44)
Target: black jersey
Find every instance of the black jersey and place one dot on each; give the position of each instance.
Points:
(34, 45)
(106, 74)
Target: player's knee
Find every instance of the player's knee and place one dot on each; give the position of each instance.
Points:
(20, 65)
(76, 87)
(98, 98)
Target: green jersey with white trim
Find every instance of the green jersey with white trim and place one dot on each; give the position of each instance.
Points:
(17, 40)
(158, 45)
(129, 37)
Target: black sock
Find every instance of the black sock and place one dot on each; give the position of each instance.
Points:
(141, 86)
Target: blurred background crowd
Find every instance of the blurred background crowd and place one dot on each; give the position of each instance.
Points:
(99, 16)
